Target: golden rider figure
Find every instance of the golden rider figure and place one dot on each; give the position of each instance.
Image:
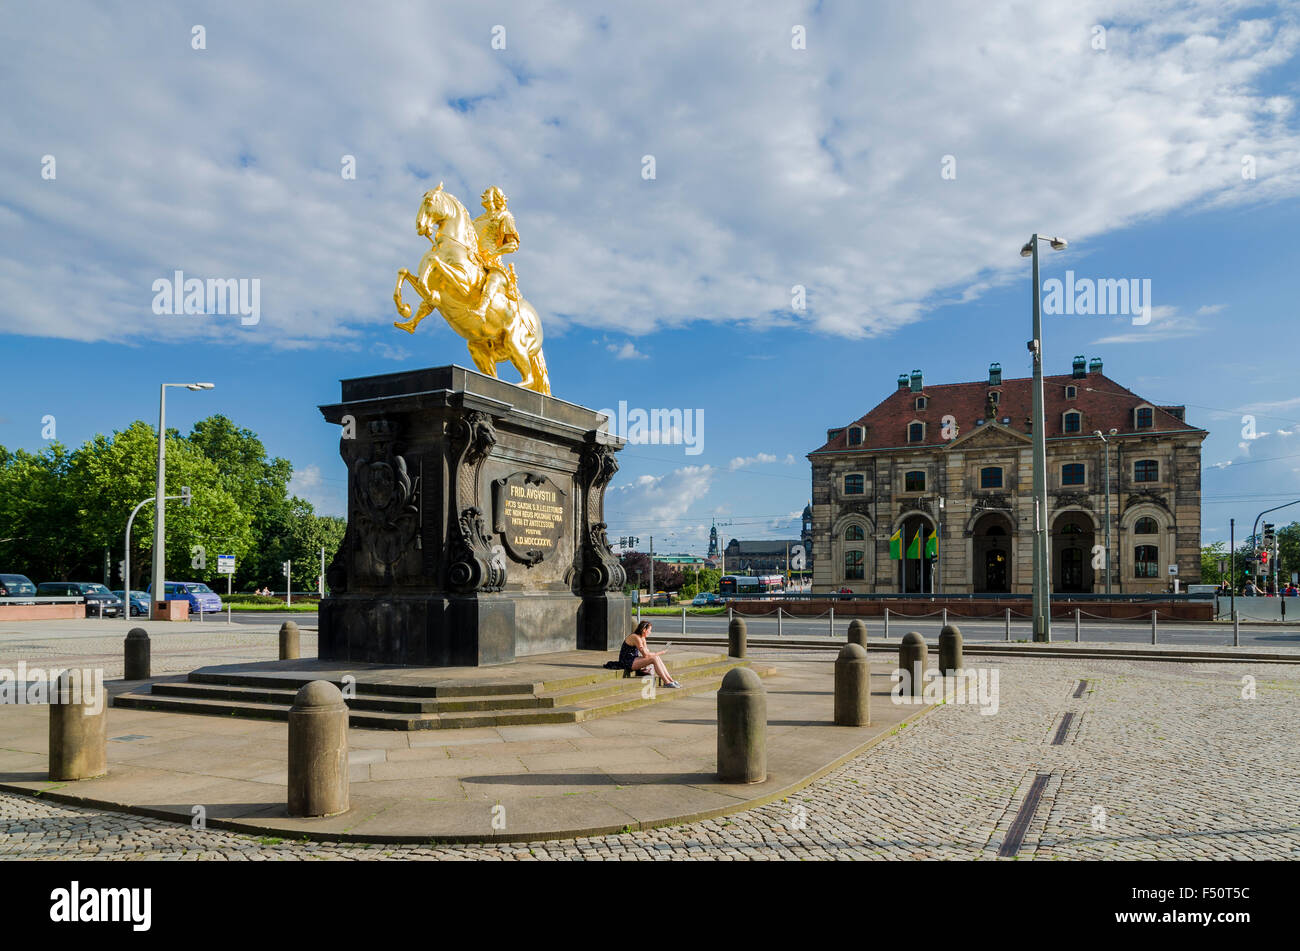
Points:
(497, 235)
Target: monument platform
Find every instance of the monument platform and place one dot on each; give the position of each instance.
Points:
(567, 687)
(476, 532)
(651, 766)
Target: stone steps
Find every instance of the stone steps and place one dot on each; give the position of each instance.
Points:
(395, 706)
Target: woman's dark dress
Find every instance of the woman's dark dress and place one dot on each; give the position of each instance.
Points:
(627, 655)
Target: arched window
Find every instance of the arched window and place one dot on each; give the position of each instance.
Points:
(991, 477)
(853, 566)
(1146, 470)
(916, 432)
(914, 481)
(1145, 526)
(1073, 422)
(854, 484)
(1072, 473)
(854, 533)
(1146, 561)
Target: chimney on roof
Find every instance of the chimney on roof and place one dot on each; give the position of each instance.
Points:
(995, 374)
(902, 381)
(1080, 365)
(916, 381)
(1095, 365)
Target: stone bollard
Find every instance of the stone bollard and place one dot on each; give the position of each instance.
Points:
(78, 734)
(737, 634)
(742, 728)
(950, 649)
(857, 632)
(852, 687)
(318, 751)
(289, 641)
(912, 654)
(137, 662)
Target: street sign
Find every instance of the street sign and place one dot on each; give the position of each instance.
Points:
(1173, 569)
(226, 564)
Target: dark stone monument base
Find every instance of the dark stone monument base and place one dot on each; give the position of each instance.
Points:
(476, 532)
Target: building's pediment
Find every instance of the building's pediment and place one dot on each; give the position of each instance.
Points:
(991, 435)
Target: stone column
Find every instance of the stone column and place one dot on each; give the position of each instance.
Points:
(78, 734)
(289, 641)
(852, 687)
(742, 728)
(318, 751)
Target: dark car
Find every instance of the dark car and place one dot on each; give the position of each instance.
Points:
(139, 602)
(99, 600)
(16, 586)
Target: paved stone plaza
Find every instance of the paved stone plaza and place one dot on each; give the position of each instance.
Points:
(1159, 760)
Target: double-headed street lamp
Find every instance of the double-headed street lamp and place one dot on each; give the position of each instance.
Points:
(1042, 609)
(159, 595)
(1106, 443)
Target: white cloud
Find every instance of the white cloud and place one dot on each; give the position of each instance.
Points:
(625, 351)
(741, 462)
(226, 162)
(325, 495)
(650, 499)
(1167, 323)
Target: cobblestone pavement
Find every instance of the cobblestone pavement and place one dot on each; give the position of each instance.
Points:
(1159, 760)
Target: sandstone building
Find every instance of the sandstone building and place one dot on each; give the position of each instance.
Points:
(958, 457)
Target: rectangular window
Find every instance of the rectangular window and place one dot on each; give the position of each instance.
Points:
(1146, 470)
(1072, 422)
(1146, 561)
(914, 482)
(1072, 473)
(855, 436)
(991, 477)
(1145, 418)
(853, 567)
(916, 432)
(854, 484)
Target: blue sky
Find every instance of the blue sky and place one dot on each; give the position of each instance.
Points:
(774, 167)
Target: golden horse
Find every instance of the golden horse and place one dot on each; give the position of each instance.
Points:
(449, 281)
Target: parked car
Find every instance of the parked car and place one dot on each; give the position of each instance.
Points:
(99, 600)
(200, 596)
(139, 602)
(16, 586)
(706, 599)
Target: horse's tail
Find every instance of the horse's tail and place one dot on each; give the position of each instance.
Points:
(539, 371)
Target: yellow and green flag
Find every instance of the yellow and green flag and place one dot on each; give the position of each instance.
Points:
(896, 545)
(914, 546)
(932, 543)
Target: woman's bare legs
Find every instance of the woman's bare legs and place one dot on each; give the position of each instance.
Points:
(658, 664)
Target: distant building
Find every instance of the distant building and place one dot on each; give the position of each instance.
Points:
(765, 554)
(959, 457)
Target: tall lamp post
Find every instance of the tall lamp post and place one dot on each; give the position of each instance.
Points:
(1042, 609)
(159, 596)
(1106, 443)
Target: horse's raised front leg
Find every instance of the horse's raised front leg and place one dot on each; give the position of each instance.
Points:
(427, 304)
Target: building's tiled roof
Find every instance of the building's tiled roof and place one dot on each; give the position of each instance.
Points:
(1104, 403)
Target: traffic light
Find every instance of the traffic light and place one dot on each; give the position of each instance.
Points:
(186, 496)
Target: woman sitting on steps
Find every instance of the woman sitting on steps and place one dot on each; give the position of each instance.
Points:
(636, 656)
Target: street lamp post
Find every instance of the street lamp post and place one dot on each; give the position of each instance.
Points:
(1042, 608)
(1106, 443)
(159, 596)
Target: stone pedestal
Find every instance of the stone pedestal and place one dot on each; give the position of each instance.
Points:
(476, 529)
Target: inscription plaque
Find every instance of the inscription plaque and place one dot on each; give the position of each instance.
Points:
(531, 515)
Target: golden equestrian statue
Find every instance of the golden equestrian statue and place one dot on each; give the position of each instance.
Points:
(462, 277)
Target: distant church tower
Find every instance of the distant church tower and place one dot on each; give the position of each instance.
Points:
(713, 542)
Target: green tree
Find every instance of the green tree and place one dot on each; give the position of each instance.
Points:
(35, 514)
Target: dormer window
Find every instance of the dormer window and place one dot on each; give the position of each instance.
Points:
(1144, 417)
(1072, 422)
(916, 432)
(855, 435)
(922, 402)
